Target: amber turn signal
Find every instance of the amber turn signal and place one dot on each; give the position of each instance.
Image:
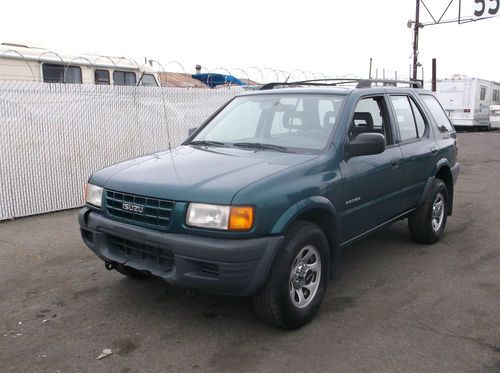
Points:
(241, 218)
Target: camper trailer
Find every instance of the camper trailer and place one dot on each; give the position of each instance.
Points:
(495, 116)
(467, 100)
(21, 62)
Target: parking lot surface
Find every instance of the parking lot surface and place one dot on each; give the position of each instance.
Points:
(399, 307)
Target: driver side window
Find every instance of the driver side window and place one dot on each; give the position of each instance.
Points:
(370, 115)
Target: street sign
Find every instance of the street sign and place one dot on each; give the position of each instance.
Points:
(486, 8)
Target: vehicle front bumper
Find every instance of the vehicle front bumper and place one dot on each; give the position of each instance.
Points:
(224, 266)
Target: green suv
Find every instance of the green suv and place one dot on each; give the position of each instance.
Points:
(261, 199)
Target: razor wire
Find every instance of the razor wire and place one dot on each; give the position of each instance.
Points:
(251, 75)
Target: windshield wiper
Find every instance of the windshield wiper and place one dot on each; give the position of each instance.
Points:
(206, 143)
(260, 146)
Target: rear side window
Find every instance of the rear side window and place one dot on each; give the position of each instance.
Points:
(442, 120)
(404, 118)
(419, 119)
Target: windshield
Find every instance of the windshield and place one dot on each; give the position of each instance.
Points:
(290, 122)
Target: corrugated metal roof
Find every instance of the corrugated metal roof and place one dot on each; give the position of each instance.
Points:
(169, 79)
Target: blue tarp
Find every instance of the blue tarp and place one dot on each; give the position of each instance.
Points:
(213, 80)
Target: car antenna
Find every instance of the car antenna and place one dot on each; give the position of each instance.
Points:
(166, 122)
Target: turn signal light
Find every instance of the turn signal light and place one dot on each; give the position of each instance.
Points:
(241, 218)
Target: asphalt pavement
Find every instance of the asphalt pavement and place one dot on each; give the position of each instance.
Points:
(399, 307)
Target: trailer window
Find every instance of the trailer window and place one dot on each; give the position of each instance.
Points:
(124, 78)
(496, 95)
(442, 120)
(101, 77)
(483, 94)
(148, 80)
(58, 73)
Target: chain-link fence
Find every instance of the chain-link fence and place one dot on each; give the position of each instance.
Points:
(53, 136)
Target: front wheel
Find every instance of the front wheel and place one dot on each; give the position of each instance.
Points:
(427, 223)
(298, 278)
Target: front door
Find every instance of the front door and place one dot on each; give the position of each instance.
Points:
(372, 184)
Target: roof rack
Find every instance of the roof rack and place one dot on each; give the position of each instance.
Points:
(312, 82)
(360, 83)
(367, 83)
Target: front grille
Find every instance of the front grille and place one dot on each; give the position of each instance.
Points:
(135, 250)
(151, 212)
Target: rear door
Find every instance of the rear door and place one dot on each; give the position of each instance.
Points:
(417, 147)
(371, 183)
(445, 136)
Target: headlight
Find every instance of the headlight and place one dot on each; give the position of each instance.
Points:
(93, 195)
(235, 218)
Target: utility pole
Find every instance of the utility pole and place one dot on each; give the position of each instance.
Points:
(416, 26)
(434, 78)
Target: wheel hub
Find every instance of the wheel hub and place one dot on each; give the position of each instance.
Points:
(437, 212)
(305, 276)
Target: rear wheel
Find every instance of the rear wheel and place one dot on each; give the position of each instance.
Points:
(298, 278)
(427, 223)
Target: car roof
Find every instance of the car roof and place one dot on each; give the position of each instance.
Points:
(344, 90)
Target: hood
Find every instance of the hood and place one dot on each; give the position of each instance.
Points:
(195, 174)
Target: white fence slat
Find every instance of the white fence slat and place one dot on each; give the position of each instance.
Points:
(53, 136)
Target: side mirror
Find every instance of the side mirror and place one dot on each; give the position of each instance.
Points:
(366, 144)
(191, 131)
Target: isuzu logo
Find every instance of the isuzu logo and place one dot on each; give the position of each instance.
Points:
(132, 207)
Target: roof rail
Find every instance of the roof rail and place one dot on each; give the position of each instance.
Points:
(312, 82)
(360, 83)
(367, 83)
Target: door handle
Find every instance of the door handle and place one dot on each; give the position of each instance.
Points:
(395, 162)
(434, 150)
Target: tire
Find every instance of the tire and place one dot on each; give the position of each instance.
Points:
(131, 272)
(427, 223)
(298, 279)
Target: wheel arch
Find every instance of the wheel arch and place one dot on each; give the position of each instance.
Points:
(321, 212)
(442, 171)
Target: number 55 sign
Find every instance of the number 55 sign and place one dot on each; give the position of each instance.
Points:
(486, 8)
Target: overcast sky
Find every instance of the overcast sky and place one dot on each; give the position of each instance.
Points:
(331, 37)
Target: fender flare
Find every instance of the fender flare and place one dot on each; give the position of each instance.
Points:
(301, 207)
(428, 185)
(307, 204)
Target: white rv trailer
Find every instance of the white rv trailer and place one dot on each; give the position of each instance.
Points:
(467, 100)
(495, 116)
(20, 62)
